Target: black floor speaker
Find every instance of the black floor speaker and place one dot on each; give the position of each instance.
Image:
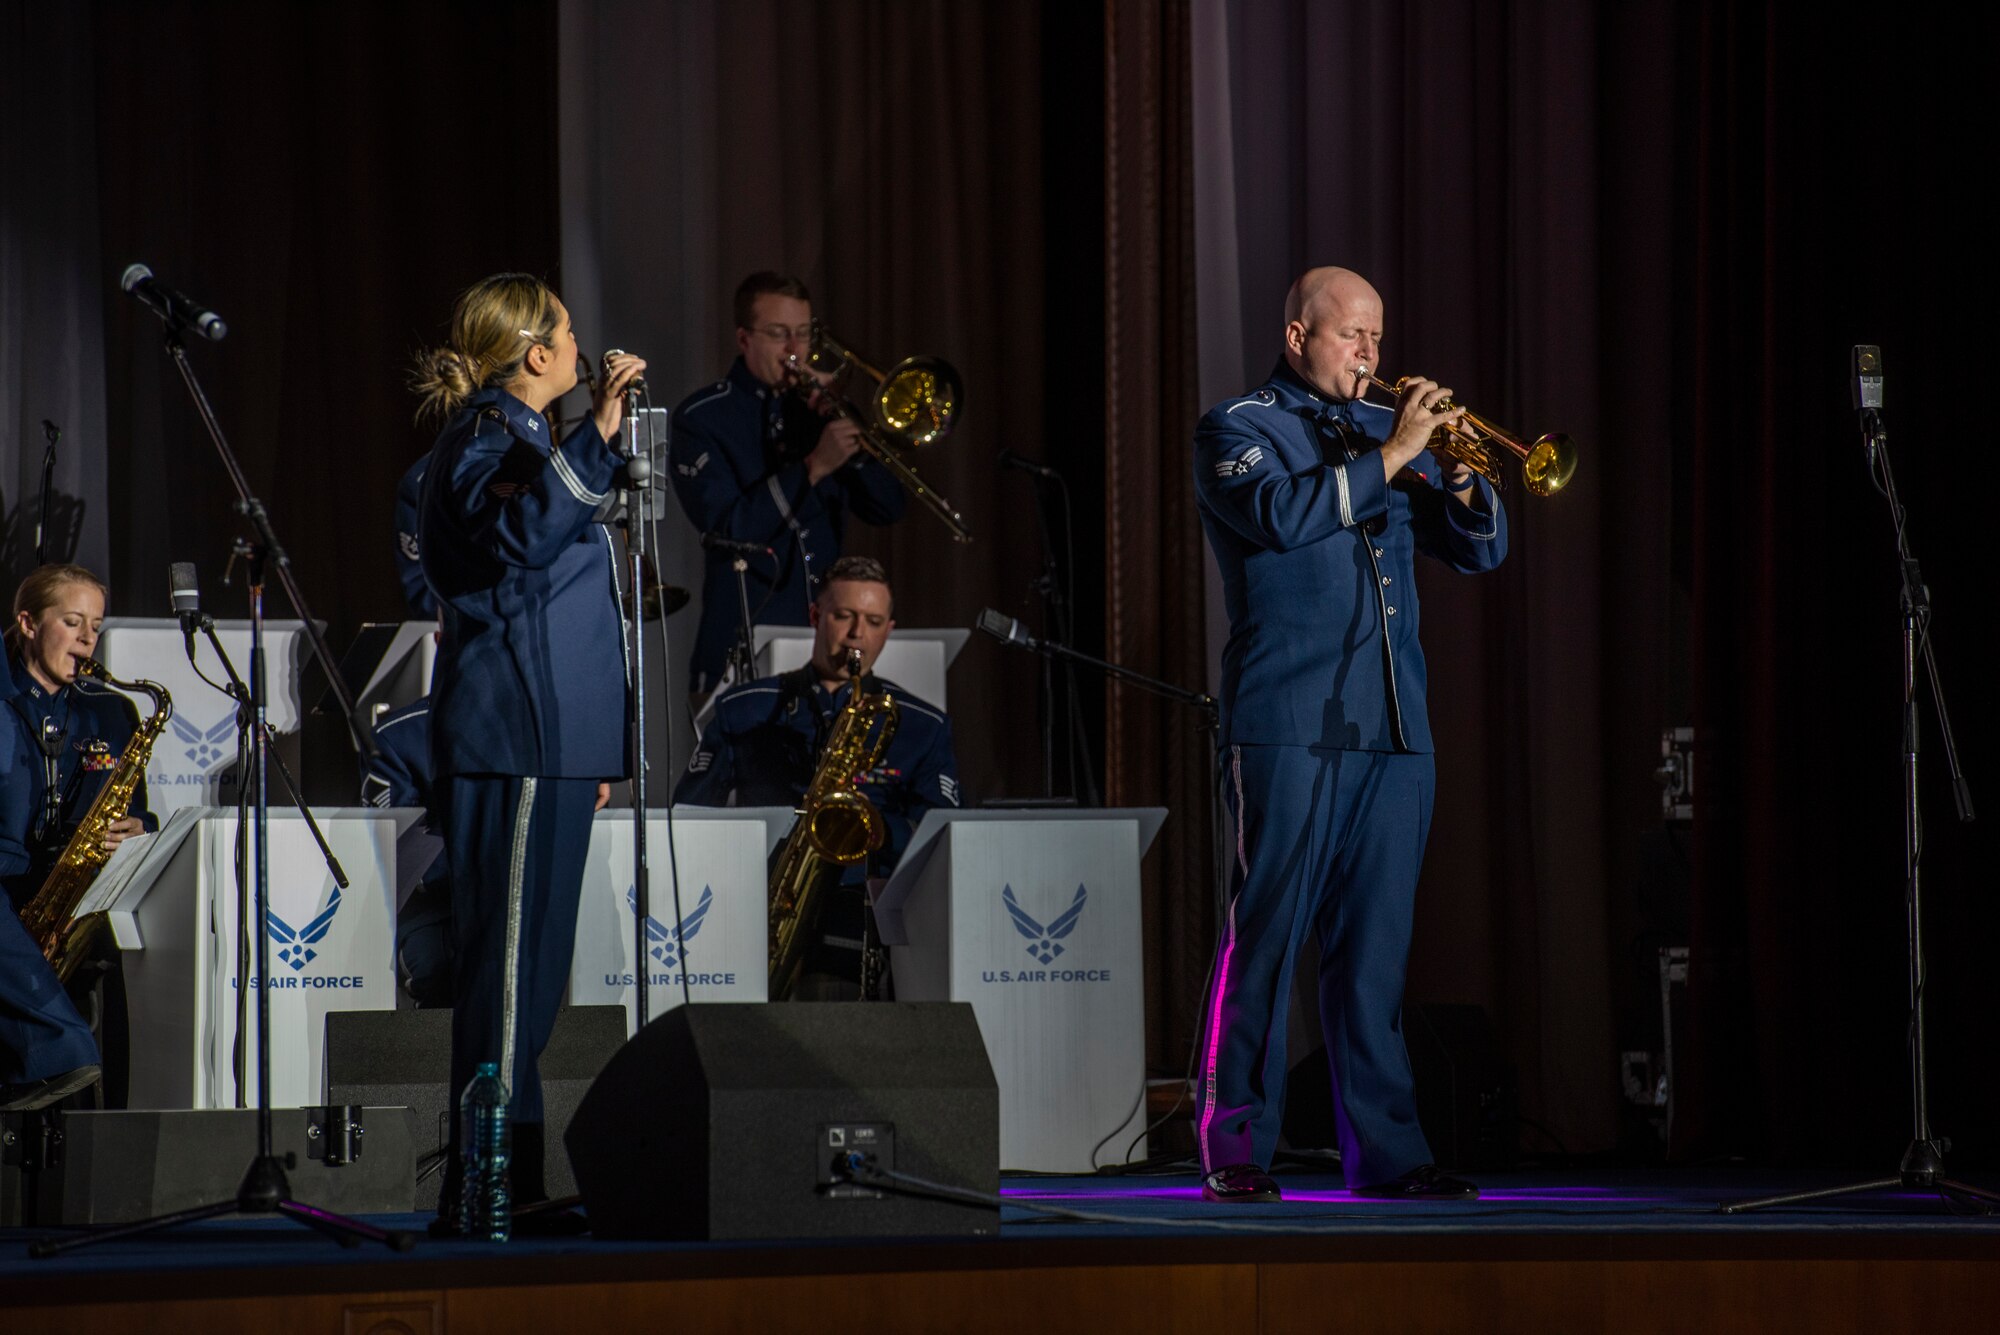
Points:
(404, 1057)
(724, 1121)
(121, 1166)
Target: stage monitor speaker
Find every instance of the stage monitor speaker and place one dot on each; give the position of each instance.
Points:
(724, 1121)
(405, 1057)
(1466, 1101)
(121, 1166)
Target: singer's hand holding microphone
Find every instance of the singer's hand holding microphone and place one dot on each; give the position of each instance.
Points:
(622, 372)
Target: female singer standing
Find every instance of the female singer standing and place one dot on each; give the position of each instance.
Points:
(528, 706)
(59, 738)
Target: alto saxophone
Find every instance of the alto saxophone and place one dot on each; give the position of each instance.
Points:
(50, 916)
(837, 826)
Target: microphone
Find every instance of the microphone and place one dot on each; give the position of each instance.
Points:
(1007, 630)
(715, 542)
(637, 385)
(186, 591)
(178, 311)
(1008, 459)
(1867, 384)
(52, 431)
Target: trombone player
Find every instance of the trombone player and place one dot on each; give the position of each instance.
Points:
(754, 465)
(1316, 505)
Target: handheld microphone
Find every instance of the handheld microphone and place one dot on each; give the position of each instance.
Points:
(185, 588)
(1006, 629)
(1867, 384)
(715, 542)
(1008, 459)
(178, 311)
(637, 384)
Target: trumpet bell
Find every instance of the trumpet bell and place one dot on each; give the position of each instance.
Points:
(1549, 464)
(918, 400)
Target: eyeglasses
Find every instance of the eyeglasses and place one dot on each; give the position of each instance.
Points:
(778, 333)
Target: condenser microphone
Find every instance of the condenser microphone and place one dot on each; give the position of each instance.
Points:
(1867, 382)
(185, 587)
(178, 311)
(715, 542)
(1009, 459)
(1007, 630)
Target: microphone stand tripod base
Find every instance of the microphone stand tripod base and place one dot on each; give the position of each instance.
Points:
(265, 1190)
(1922, 1169)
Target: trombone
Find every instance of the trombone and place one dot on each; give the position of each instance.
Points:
(1546, 465)
(914, 406)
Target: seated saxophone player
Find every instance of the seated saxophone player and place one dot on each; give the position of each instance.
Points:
(762, 747)
(62, 736)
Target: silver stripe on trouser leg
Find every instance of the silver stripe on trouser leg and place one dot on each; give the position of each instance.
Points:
(510, 987)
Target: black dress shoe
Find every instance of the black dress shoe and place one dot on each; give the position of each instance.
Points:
(1243, 1182)
(1424, 1183)
(32, 1094)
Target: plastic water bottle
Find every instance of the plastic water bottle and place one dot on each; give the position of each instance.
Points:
(487, 1143)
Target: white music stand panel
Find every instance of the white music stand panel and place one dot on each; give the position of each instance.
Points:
(721, 939)
(175, 916)
(199, 743)
(1033, 918)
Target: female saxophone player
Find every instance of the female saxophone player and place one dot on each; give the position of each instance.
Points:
(59, 738)
(528, 709)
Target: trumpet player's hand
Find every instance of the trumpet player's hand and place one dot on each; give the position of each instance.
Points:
(120, 830)
(607, 400)
(837, 443)
(1416, 419)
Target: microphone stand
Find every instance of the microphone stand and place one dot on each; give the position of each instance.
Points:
(1053, 589)
(264, 1188)
(637, 499)
(1922, 1166)
(1208, 719)
(245, 720)
(54, 433)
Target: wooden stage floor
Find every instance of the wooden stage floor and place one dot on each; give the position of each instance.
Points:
(1538, 1252)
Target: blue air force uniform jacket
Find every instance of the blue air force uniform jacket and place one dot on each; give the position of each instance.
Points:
(88, 726)
(760, 749)
(409, 568)
(530, 679)
(1317, 556)
(738, 450)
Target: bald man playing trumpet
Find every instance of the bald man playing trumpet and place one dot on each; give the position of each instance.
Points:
(1316, 505)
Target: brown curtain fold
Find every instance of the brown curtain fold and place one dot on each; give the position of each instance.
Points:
(1155, 752)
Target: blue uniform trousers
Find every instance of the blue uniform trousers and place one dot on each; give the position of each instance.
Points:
(517, 848)
(41, 1033)
(1328, 841)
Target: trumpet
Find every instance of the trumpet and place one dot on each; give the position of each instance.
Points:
(1546, 465)
(915, 405)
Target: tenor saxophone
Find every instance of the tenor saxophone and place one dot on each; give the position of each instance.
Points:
(50, 916)
(837, 826)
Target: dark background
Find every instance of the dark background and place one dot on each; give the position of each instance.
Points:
(1764, 188)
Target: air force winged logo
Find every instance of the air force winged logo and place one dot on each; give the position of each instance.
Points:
(1043, 941)
(295, 944)
(665, 944)
(204, 745)
(690, 470)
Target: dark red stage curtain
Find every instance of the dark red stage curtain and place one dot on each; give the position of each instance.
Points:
(327, 177)
(1822, 194)
(1156, 754)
